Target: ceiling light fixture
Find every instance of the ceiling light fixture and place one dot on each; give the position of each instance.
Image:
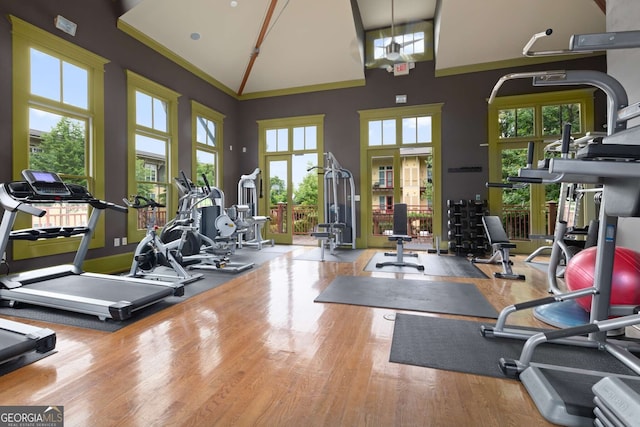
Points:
(65, 25)
(195, 36)
(393, 48)
(233, 3)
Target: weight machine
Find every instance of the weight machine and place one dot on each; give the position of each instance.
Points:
(615, 164)
(570, 233)
(338, 228)
(248, 196)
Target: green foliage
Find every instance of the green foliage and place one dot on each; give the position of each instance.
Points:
(512, 161)
(307, 191)
(517, 122)
(144, 189)
(208, 170)
(61, 150)
(555, 116)
(278, 190)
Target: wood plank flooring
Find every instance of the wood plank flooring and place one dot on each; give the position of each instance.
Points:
(258, 351)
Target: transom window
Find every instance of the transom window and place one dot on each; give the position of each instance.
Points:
(413, 130)
(521, 122)
(277, 140)
(58, 80)
(305, 138)
(412, 43)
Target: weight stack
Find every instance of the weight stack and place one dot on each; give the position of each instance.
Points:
(617, 401)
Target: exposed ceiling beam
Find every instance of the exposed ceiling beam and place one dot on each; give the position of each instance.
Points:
(256, 50)
(602, 4)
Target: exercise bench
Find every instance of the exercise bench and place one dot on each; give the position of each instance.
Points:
(400, 235)
(500, 244)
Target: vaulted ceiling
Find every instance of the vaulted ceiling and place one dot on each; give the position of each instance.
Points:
(260, 46)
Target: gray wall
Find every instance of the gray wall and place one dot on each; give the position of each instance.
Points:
(464, 115)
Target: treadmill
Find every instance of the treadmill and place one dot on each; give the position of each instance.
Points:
(68, 287)
(18, 339)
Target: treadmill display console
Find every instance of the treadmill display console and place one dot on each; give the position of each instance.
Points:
(46, 183)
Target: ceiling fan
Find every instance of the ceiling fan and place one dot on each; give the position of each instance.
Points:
(393, 51)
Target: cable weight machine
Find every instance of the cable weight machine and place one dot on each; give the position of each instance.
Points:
(338, 228)
(248, 197)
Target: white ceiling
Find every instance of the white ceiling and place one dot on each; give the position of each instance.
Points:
(315, 42)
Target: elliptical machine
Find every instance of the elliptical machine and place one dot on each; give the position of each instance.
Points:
(216, 228)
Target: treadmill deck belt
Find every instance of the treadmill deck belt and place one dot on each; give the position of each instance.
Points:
(103, 288)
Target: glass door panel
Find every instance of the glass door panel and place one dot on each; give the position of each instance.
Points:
(384, 193)
(304, 215)
(416, 187)
(278, 200)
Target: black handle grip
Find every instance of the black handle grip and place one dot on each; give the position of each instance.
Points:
(498, 185)
(206, 182)
(566, 138)
(530, 148)
(187, 183)
(521, 179)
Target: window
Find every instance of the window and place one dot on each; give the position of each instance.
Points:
(385, 176)
(514, 122)
(207, 134)
(416, 40)
(412, 43)
(521, 122)
(58, 126)
(305, 138)
(277, 140)
(152, 117)
(413, 130)
(554, 116)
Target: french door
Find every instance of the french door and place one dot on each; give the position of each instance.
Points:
(400, 163)
(290, 154)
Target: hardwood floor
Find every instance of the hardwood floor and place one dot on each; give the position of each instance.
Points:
(258, 351)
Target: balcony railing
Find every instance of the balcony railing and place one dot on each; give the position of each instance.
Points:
(419, 221)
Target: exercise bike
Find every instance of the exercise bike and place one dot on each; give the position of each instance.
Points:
(152, 252)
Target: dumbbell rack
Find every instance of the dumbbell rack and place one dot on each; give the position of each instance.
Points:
(465, 231)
